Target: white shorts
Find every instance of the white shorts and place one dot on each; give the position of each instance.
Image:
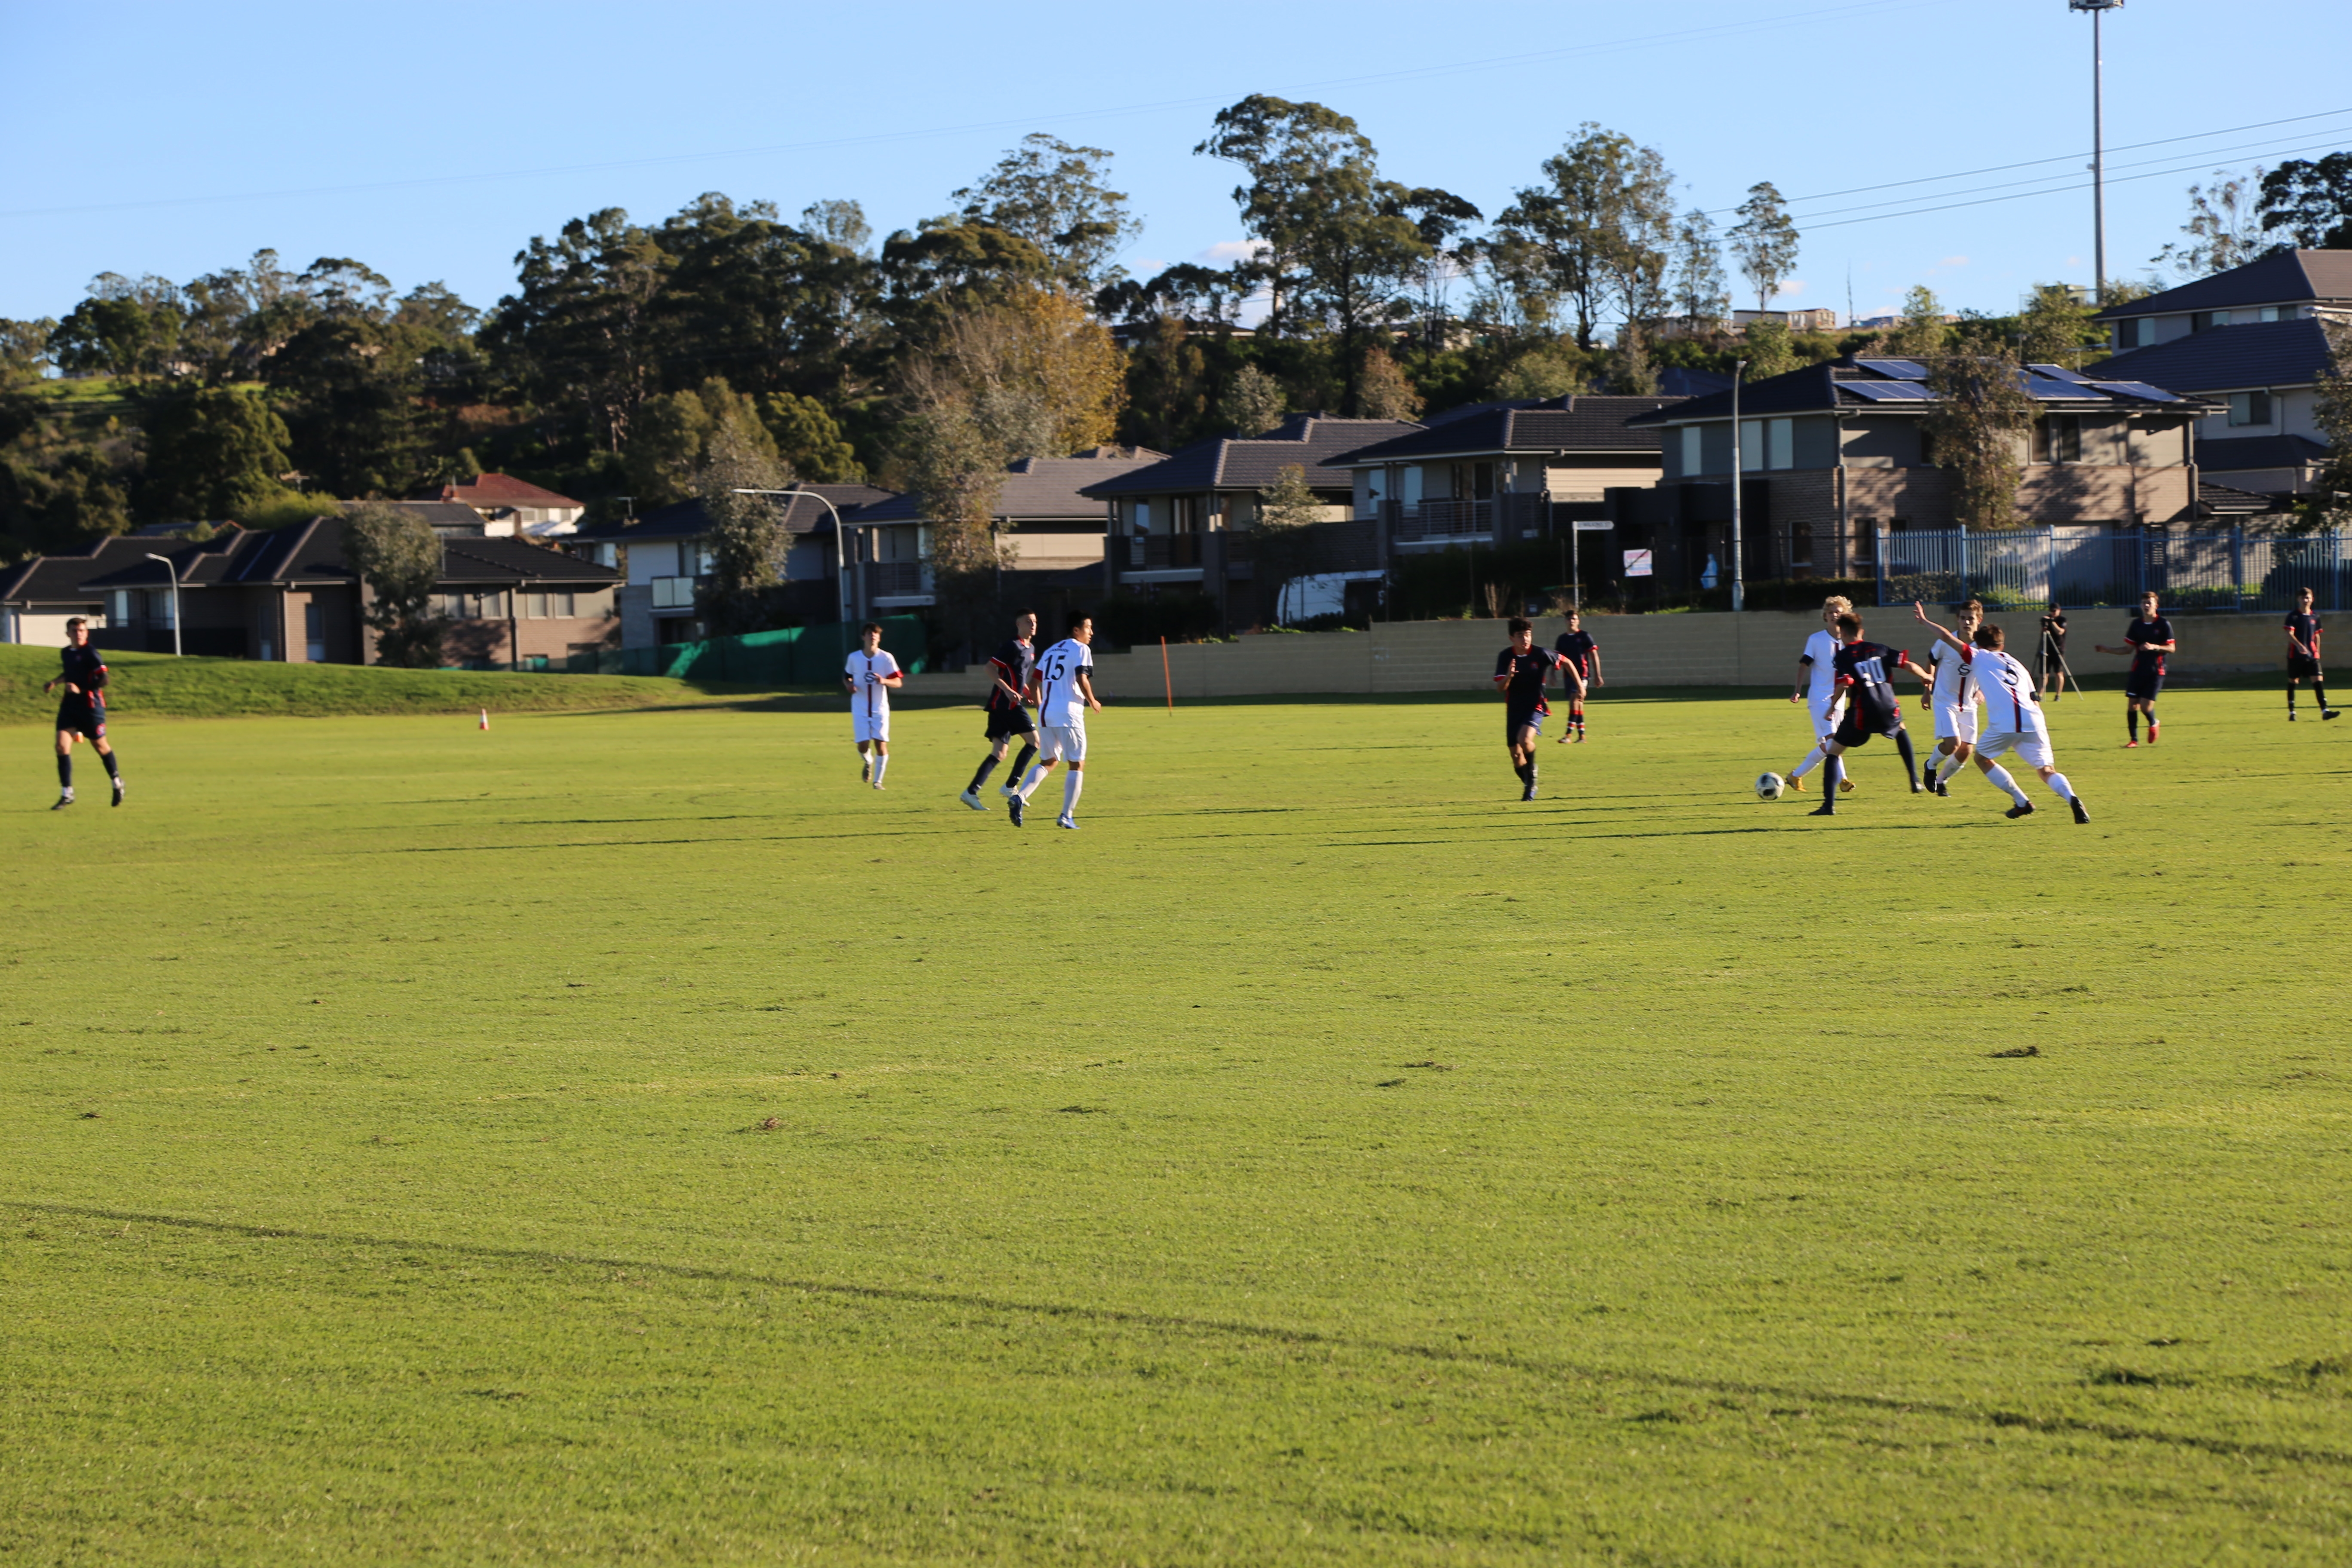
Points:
(1957, 723)
(871, 726)
(2034, 751)
(1062, 743)
(1825, 719)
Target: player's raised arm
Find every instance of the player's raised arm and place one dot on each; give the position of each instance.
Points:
(1920, 611)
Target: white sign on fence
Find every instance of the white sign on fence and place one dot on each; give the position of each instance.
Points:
(1637, 563)
(1594, 525)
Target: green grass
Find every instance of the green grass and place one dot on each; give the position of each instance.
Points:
(145, 685)
(622, 1137)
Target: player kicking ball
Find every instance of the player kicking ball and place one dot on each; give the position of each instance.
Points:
(1065, 693)
(1520, 671)
(1011, 671)
(1864, 675)
(2302, 629)
(2146, 642)
(81, 712)
(2014, 725)
(1953, 697)
(1582, 655)
(871, 675)
(1817, 690)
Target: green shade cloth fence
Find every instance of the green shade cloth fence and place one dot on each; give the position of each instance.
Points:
(799, 656)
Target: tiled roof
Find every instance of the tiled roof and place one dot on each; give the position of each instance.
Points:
(2260, 354)
(1557, 425)
(686, 518)
(490, 491)
(50, 578)
(2231, 454)
(1035, 488)
(443, 516)
(313, 553)
(1233, 463)
(1886, 385)
(2291, 277)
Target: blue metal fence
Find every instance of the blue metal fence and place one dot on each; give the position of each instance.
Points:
(2015, 568)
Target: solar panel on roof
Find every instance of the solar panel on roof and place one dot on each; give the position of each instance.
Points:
(2137, 389)
(2045, 387)
(1888, 391)
(2059, 373)
(1900, 369)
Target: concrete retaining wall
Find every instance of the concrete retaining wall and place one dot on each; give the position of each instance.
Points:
(1759, 648)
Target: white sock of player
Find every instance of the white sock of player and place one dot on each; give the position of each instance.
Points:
(2058, 782)
(1802, 769)
(1029, 785)
(1070, 788)
(1947, 767)
(879, 764)
(1999, 779)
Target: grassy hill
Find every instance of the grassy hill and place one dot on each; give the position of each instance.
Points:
(146, 685)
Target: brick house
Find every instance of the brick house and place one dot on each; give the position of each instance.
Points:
(511, 507)
(1834, 455)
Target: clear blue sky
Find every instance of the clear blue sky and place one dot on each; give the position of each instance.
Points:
(177, 138)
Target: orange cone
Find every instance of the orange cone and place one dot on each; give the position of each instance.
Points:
(486, 718)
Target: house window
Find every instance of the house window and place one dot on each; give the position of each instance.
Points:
(314, 632)
(2250, 408)
(1751, 445)
(1779, 443)
(2058, 439)
(534, 605)
(2277, 313)
(2203, 321)
(1692, 460)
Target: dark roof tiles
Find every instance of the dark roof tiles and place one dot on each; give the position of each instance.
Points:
(2291, 277)
(1037, 489)
(1235, 463)
(1579, 424)
(2259, 354)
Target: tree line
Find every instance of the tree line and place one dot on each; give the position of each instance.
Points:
(633, 363)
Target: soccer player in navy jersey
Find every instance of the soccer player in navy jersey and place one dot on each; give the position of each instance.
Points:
(82, 711)
(1864, 673)
(2146, 642)
(1013, 671)
(2302, 629)
(1520, 671)
(1580, 660)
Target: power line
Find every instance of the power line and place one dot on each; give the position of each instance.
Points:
(1607, 45)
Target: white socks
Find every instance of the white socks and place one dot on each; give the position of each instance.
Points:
(1070, 788)
(1802, 769)
(880, 763)
(1037, 776)
(1947, 767)
(1998, 776)
(2065, 791)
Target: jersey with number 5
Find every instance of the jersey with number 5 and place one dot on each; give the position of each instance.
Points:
(1059, 700)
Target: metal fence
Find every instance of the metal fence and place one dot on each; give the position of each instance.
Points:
(2093, 566)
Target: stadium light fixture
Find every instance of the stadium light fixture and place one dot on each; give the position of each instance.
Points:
(176, 600)
(2097, 8)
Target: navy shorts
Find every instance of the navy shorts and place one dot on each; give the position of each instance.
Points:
(2301, 668)
(1005, 722)
(80, 719)
(1859, 724)
(2144, 686)
(1517, 719)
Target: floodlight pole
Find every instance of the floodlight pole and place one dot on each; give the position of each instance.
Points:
(2098, 146)
(840, 562)
(1738, 476)
(176, 600)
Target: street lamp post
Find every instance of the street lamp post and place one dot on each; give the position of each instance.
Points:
(840, 559)
(1738, 476)
(2098, 147)
(176, 600)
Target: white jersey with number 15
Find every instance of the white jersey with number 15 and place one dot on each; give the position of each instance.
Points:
(1059, 700)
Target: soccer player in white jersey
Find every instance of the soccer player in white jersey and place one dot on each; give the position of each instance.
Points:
(2013, 720)
(870, 674)
(1953, 700)
(1065, 691)
(1817, 687)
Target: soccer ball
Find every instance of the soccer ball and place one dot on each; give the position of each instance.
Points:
(1768, 786)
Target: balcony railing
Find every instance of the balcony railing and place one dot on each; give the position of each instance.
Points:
(1164, 552)
(1443, 519)
(895, 579)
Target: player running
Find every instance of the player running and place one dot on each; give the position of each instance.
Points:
(1520, 671)
(1864, 675)
(1953, 697)
(2147, 641)
(1065, 691)
(2052, 658)
(1817, 687)
(1012, 670)
(2302, 629)
(82, 709)
(1581, 657)
(2014, 725)
(870, 675)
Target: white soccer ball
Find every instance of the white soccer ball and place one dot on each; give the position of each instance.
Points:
(1768, 786)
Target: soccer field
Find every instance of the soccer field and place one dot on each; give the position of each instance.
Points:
(625, 1137)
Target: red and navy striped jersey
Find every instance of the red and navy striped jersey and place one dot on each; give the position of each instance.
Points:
(2146, 661)
(86, 668)
(2305, 630)
(1012, 665)
(1575, 648)
(1522, 676)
